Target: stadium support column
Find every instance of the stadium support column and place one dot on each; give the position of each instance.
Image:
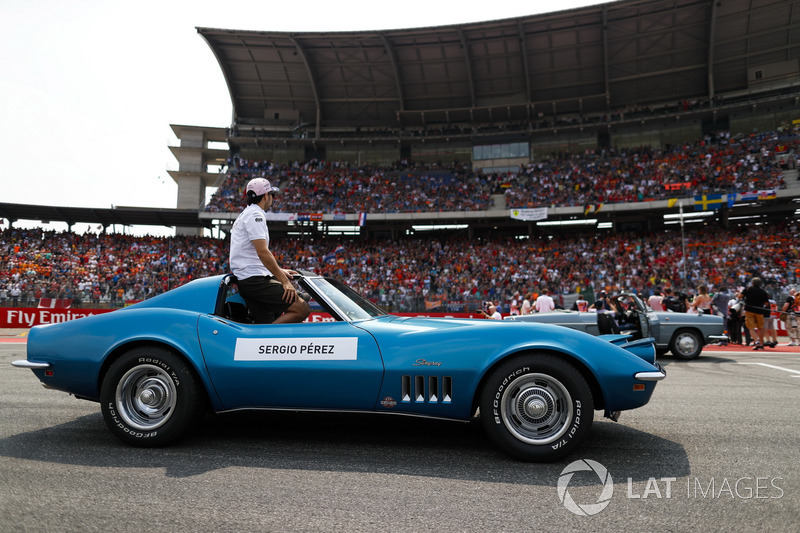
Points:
(195, 155)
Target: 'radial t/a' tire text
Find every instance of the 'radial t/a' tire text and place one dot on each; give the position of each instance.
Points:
(536, 407)
(150, 397)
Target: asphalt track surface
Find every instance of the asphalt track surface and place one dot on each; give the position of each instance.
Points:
(717, 449)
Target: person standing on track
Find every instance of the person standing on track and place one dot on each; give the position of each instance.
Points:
(756, 303)
(790, 317)
(545, 303)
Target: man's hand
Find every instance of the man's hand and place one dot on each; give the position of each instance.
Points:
(289, 292)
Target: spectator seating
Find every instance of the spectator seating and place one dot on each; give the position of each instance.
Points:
(109, 270)
(418, 273)
(719, 163)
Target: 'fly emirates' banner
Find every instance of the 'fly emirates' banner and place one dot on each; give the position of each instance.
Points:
(27, 317)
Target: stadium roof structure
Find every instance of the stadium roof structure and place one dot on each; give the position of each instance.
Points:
(591, 60)
(127, 216)
(586, 60)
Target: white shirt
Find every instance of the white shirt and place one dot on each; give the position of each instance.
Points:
(655, 303)
(545, 304)
(250, 225)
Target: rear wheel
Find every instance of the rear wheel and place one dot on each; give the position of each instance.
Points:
(150, 397)
(537, 407)
(686, 344)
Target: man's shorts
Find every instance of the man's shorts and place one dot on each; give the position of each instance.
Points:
(753, 320)
(264, 296)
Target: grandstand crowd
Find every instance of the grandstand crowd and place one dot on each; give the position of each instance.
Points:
(94, 269)
(411, 274)
(718, 163)
(453, 274)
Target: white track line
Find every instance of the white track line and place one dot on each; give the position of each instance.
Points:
(797, 372)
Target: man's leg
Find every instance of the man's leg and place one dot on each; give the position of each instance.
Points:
(297, 312)
(794, 332)
(263, 297)
(755, 332)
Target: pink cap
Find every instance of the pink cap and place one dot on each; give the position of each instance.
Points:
(260, 186)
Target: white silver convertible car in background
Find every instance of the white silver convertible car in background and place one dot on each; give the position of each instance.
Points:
(683, 334)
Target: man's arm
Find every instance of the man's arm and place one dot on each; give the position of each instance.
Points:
(269, 261)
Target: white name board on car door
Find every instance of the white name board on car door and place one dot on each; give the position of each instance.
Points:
(297, 349)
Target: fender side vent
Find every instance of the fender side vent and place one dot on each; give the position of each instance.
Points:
(419, 389)
(439, 390)
(405, 389)
(447, 389)
(433, 389)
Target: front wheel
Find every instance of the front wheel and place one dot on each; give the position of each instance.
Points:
(537, 407)
(150, 397)
(686, 344)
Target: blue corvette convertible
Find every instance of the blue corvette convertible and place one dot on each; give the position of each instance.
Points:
(156, 367)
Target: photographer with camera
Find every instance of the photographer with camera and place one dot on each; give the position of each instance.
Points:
(490, 311)
(736, 319)
(789, 316)
(674, 301)
(600, 304)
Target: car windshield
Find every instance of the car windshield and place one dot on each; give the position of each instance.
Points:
(640, 304)
(343, 299)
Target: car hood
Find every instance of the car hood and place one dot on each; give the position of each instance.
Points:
(473, 339)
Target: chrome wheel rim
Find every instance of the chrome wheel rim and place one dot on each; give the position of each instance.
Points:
(146, 397)
(686, 343)
(536, 409)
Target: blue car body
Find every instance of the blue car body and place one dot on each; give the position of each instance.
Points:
(433, 367)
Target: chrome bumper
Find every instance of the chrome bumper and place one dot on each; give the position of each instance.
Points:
(651, 375)
(33, 365)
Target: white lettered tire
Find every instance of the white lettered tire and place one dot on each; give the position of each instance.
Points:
(537, 407)
(150, 397)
